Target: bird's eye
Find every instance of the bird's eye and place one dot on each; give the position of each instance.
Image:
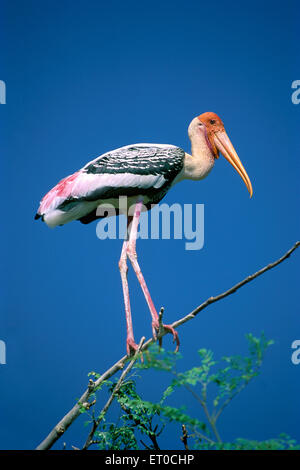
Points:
(212, 121)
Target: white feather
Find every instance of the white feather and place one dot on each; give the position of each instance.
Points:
(87, 183)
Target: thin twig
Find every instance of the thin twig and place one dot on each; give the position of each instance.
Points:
(161, 326)
(68, 419)
(209, 417)
(237, 286)
(202, 437)
(228, 400)
(184, 437)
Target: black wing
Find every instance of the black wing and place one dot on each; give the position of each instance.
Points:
(140, 159)
(141, 169)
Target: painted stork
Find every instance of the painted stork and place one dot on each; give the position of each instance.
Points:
(144, 173)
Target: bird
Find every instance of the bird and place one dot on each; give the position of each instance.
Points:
(144, 173)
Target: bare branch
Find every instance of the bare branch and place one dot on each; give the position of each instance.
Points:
(237, 286)
(70, 417)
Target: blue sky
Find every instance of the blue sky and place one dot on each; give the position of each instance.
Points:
(86, 77)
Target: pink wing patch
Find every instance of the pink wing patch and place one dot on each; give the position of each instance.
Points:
(58, 194)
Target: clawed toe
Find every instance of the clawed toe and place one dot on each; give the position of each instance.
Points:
(171, 330)
(131, 347)
(156, 326)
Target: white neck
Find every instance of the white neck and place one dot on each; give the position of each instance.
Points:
(198, 165)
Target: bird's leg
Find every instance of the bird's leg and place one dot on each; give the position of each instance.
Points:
(132, 255)
(131, 345)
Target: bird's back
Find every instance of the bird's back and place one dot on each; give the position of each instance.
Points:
(146, 170)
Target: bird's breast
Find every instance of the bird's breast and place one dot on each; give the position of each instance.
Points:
(196, 167)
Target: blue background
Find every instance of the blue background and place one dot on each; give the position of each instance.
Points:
(86, 77)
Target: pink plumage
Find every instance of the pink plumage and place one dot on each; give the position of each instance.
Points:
(62, 191)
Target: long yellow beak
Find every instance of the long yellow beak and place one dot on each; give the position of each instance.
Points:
(224, 145)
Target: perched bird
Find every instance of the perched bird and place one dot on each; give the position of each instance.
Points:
(144, 173)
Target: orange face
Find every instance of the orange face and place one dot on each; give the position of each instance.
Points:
(212, 124)
(218, 141)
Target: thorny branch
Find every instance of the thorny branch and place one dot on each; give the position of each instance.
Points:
(70, 417)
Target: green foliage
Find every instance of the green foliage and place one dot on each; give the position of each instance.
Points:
(213, 384)
(229, 379)
(112, 437)
(283, 442)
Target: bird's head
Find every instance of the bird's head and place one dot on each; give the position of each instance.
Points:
(218, 141)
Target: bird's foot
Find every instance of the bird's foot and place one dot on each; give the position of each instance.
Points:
(132, 348)
(158, 327)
